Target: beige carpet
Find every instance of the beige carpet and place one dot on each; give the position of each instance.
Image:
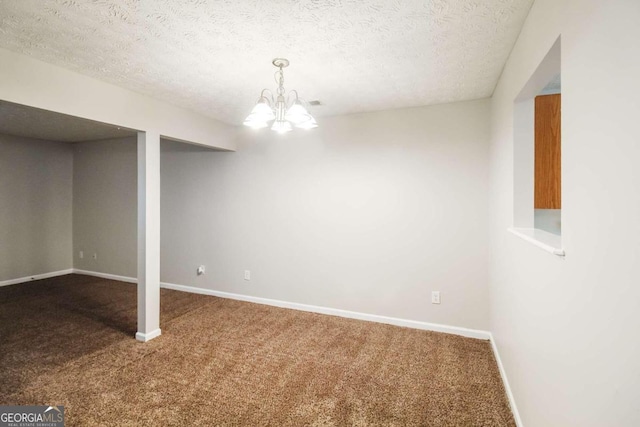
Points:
(69, 341)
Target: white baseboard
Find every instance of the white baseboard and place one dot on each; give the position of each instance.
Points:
(435, 327)
(505, 381)
(36, 277)
(106, 275)
(140, 336)
(471, 333)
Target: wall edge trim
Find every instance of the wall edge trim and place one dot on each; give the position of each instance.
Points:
(33, 277)
(106, 275)
(415, 324)
(505, 382)
(142, 337)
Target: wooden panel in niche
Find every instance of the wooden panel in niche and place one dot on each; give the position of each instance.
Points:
(547, 152)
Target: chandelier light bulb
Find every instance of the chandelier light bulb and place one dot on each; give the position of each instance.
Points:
(262, 112)
(297, 113)
(255, 124)
(281, 126)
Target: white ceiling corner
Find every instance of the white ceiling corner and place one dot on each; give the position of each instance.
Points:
(214, 56)
(554, 86)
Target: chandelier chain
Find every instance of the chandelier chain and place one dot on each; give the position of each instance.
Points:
(280, 80)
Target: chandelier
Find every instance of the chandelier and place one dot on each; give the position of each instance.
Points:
(285, 112)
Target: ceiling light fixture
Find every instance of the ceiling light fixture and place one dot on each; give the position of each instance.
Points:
(285, 112)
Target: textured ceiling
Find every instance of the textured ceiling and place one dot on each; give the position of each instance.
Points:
(215, 56)
(30, 122)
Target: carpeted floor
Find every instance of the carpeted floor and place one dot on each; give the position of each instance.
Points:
(69, 341)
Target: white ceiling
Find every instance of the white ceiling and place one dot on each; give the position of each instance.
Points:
(215, 56)
(29, 122)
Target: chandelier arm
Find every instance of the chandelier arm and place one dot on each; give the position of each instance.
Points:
(289, 96)
(270, 99)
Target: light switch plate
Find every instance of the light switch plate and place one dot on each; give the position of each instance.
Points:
(435, 297)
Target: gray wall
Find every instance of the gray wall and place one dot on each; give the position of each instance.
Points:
(368, 212)
(35, 207)
(105, 206)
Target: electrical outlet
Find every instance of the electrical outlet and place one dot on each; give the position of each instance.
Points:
(95, 256)
(81, 254)
(247, 275)
(435, 297)
(200, 270)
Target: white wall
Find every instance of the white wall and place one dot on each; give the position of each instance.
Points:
(105, 206)
(567, 329)
(35, 207)
(369, 213)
